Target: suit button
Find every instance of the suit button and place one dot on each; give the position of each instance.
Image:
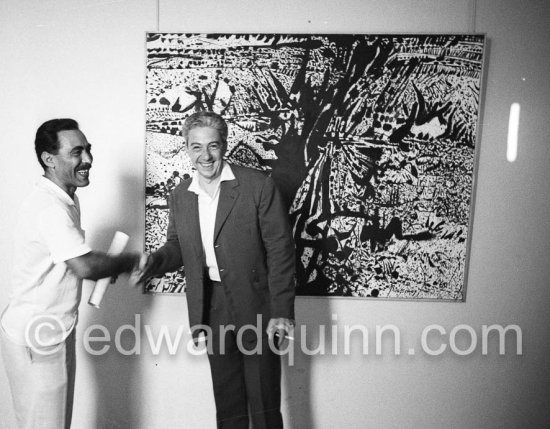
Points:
(216, 246)
(221, 270)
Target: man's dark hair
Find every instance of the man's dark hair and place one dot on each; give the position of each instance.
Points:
(47, 139)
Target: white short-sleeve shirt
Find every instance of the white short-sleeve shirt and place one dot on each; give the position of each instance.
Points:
(44, 290)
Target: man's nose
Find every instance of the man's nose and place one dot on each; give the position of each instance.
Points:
(207, 154)
(87, 157)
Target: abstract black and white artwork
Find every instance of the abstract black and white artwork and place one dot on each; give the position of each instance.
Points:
(371, 139)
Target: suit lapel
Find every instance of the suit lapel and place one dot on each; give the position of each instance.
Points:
(191, 213)
(228, 196)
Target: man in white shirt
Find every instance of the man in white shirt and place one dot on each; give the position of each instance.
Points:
(37, 329)
(229, 228)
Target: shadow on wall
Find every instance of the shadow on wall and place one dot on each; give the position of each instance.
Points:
(117, 373)
(297, 376)
(114, 366)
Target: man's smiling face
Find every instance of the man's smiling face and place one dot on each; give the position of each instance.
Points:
(72, 163)
(206, 149)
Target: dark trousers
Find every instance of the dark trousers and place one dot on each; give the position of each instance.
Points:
(242, 382)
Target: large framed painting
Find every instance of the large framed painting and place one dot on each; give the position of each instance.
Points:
(371, 139)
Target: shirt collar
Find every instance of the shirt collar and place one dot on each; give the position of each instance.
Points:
(47, 184)
(225, 176)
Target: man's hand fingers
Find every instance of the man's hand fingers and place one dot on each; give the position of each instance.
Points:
(281, 327)
(271, 329)
(141, 273)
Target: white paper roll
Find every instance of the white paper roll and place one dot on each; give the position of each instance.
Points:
(117, 246)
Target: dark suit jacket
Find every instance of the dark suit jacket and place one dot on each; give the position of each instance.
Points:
(253, 245)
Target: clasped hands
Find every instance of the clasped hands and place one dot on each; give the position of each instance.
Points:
(144, 269)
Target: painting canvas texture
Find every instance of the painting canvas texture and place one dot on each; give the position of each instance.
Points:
(371, 140)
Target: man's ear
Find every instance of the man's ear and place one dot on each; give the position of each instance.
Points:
(47, 159)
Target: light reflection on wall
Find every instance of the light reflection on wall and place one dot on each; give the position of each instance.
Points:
(513, 129)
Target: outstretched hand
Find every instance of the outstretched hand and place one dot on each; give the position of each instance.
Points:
(146, 269)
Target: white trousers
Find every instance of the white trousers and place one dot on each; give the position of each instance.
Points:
(41, 383)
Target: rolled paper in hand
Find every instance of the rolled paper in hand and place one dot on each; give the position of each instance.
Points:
(117, 246)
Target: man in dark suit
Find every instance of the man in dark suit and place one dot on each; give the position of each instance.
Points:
(229, 229)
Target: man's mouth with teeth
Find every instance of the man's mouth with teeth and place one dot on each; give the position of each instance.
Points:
(84, 172)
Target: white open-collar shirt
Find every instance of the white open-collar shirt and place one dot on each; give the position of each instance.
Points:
(44, 289)
(208, 207)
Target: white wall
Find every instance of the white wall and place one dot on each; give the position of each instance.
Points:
(85, 59)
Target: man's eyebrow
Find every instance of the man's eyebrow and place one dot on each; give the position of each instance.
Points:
(77, 148)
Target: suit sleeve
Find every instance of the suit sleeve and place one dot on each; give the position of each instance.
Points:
(279, 246)
(170, 252)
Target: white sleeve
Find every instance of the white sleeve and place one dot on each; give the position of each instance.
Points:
(61, 234)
